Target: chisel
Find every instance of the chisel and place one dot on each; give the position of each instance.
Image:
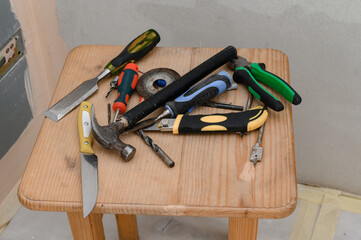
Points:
(136, 49)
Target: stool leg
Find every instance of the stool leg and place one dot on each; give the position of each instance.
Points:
(90, 228)
(127, 227)
(242, 228)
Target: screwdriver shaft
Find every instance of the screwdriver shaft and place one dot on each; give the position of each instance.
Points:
(116, 115)
(223, 105)
(109, 113)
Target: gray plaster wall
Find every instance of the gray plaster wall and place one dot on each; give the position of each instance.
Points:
(321, 39)
(15, 110)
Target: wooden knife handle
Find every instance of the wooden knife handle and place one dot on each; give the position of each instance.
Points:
(84, 128)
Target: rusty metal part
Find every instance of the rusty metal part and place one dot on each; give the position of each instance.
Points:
(147, 83)
(239, 62)
(108, 137)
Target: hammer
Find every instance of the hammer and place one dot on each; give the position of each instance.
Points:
(108, 136)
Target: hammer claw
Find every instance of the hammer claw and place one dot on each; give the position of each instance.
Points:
(108, 137)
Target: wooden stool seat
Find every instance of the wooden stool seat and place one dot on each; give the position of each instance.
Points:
(212, 176)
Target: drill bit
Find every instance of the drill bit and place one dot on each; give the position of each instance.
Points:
(109, 114)
(166, 159)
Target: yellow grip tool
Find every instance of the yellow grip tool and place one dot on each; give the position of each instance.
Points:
(240, 122)
(84, 128)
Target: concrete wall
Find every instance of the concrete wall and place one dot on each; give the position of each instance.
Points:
(321, 39)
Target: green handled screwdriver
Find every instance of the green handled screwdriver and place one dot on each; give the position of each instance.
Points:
(136, 49)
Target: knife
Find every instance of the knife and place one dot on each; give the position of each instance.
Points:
(239, 122)
(89, 161)
(136, 49)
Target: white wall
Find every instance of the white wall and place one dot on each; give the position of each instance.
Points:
(321, 39)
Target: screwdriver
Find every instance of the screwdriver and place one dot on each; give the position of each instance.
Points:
(127, 82)
(199, 94)
(135, 50)
(126, 85)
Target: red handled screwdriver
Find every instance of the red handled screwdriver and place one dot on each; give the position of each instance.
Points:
(127, 82)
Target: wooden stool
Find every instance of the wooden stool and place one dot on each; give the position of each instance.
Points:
(213, 176)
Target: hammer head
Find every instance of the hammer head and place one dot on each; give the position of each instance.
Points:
(238, 62)
(108, 137)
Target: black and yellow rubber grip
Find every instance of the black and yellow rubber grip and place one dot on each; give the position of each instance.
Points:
(230, 122)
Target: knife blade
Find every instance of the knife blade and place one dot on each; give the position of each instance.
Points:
(135, 50)
(240, 122)
(89, 161)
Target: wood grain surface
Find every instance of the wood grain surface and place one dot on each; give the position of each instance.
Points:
(89, 228)
(242, 228)
(212, 175)
(127, 227)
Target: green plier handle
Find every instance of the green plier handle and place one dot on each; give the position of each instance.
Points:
(257, 72)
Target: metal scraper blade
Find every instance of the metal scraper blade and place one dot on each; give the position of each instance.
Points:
(72, 100)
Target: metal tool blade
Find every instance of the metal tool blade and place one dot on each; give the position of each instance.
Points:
(89, 179)
(140, 125)
(73, 99)
(165, 124)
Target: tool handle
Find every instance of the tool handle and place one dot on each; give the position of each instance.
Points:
(230, 122)
(127, 82)
(84, 128)
(244, 75)
(258, 70)
(200, 93)
(179, 86)
(135, 50)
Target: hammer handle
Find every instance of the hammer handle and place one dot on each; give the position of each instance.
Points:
(179, 86)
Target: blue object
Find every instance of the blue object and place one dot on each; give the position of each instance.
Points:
(160, 83)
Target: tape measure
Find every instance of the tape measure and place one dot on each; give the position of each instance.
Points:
(155, 80)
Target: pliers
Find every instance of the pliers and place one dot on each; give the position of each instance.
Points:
(250, 73)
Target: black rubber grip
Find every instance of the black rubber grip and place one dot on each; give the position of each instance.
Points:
(229, 122)
(244, 76)
(179, 86)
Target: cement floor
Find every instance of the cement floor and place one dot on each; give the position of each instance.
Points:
(316, 217)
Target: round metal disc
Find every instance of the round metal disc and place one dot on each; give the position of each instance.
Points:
(147, 83)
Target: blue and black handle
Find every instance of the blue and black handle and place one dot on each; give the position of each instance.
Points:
(200, 93)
